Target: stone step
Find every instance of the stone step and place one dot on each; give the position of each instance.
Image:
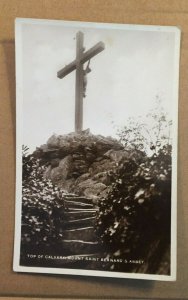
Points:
(75, 247)
(79, 199)
(85, 233)
(73, 215)
(81, 209)
(76, 224)
(74, 204)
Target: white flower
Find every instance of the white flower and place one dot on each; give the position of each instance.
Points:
(139, 193)
(140, 201)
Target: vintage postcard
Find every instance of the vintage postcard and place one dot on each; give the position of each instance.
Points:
(96, 181)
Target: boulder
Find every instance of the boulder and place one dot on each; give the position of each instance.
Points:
(116, 155)
(53, 141)
(67, 185)
(94, 189)
(84, 185)
(102, 177)
(47, 173)
(56, 174)
(102, 166)
(66, 166)
(64, 145)
(55, 162)
(82, 178)
(82, 162)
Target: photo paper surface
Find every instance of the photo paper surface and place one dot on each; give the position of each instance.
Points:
(96, 161)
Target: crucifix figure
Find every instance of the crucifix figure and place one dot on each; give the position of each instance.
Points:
(81, 75)
(86, 71)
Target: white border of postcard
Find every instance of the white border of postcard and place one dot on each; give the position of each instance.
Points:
(19, 22)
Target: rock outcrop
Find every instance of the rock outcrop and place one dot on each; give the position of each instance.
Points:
(81, 163)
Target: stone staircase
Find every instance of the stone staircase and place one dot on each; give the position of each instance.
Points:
(79, 238)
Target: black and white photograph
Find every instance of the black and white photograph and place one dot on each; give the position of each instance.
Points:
(96, 149)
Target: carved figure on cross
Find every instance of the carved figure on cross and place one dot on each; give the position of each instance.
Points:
(86, 71)
(81, 74)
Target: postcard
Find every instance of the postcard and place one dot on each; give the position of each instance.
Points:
(96, 149)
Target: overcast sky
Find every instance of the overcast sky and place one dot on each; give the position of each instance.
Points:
(136, 67)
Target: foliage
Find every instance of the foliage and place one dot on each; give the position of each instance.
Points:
(149, 133)
(42, 207)
(134, 219)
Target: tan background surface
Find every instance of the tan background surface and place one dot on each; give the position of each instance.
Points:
(156, 12)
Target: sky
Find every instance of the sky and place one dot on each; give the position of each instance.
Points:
(135, 69)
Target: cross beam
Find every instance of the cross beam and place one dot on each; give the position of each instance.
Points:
(77, 64)
(86, 56)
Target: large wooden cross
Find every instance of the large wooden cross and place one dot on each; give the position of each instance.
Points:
(77, 64)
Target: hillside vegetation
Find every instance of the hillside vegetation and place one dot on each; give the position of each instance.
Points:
(129, 186)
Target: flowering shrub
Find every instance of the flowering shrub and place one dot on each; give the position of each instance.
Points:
(134, 218)
(147, 133)
(42, 208)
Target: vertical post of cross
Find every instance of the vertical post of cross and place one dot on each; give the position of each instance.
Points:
(81, 58)
(79, 82)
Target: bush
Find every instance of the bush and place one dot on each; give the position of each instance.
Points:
(134, 219)
(147, 133)
(42, 209)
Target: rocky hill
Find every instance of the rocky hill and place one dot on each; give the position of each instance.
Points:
(81, 163)
(132, 221)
